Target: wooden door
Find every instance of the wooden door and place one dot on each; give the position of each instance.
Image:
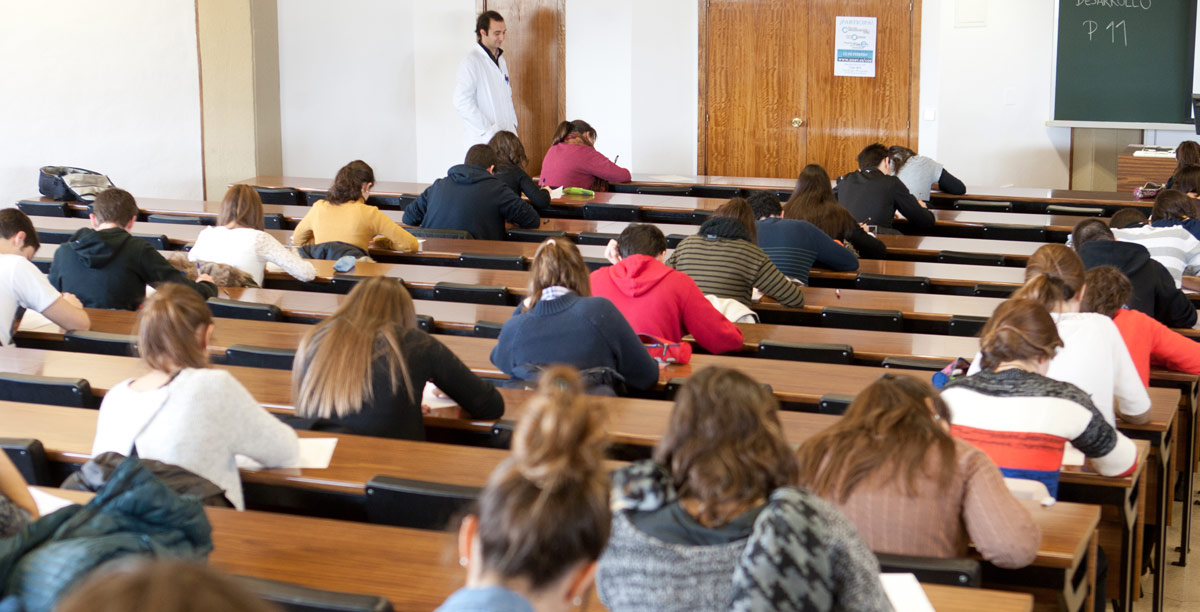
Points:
(846, 114)
(534, 49)
(753, 86)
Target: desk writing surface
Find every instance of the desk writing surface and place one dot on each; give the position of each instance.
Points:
(1065, 197)
(931, 245)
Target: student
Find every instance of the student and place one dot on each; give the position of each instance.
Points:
(510, 169)
(1154, 292)
(573, 161)
(1019, 414)
(919, 174)
(471, 199)
(17, 508)
(1173, 211)
(657, 300)
(23, 286)
(560, 323)
(692, 527)
(724, 259)
(891, 466)
(1149, 342)
(795, 246)
(184, 413)
(160, 584)
(107, 267)
(1093, 357)
(1174, 247)
(1186, 154)
(812, 200)
(364, 368)
(344, 224)
(238, 239)
(874, 195)
(532, 542)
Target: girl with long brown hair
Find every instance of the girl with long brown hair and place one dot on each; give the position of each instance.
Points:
(720, 489)
(573, 161)
(510, 169)
(542, 520)
(812, 200)
(238, 239)
(1186, 154)
(182, 412)
(1093, 356)
(893, 469)
(363, 370)
(560, 323)
(345, 217)
(1178, 206)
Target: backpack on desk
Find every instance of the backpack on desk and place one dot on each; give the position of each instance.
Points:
(67, 184)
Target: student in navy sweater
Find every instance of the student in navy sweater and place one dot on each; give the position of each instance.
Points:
(470, 198)
(560, 323)
(794, 246)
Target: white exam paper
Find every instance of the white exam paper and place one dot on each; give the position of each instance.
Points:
(47, 503)
(315, 453)
(905, 593)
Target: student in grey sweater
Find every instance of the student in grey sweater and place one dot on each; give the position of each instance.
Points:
(715, 522)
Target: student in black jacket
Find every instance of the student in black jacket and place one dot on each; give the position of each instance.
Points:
(471, 198)
(107, 267)
(510, 169)
(1154, 291)
(874, 195)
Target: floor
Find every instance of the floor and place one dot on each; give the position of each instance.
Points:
(1183, 583)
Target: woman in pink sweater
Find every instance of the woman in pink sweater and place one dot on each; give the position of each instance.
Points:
(573, 161)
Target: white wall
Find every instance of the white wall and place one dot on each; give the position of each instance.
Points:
(108, 86)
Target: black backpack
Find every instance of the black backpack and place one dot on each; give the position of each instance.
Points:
(67, 184)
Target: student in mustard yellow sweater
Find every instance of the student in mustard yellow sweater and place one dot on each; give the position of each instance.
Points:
(344, 216)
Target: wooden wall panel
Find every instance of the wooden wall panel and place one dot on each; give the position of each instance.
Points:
(534, 49)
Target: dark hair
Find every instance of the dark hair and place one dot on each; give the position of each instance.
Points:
(348, 184)
(480, 155)
(242, 207)
(1187, 179)
(1108, 291)
(115, 206)
(870, 156)
(12, 221)
(888, 428)
(484, 22)
(764, 204)
(1172, 204)
(1090, 230)
(1018, 330)
(641, 239)
(1054, 274)
(557, 262)
(1187, 154)
(508, 148)
(163, 585)
(1128, 217)
(813, 201)
(569, 129)
(899, 155)
(724, 445)
(546, 507)
(739, 208)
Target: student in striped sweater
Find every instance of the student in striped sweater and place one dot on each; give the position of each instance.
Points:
(1174, 247)
(1019, 417)
(724, 259)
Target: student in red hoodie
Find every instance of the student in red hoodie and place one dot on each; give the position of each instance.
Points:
(656, 299)
(573, 160)
(1149, 342)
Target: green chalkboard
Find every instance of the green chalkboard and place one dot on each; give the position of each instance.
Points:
(1125, 60)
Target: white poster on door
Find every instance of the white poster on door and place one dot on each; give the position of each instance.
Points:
(854, 47)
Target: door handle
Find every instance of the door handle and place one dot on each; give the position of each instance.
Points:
(797, 122)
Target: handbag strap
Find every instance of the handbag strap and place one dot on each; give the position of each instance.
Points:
(133, 452)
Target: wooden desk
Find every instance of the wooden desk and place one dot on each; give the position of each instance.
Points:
(1035, 200)
(1134, 171)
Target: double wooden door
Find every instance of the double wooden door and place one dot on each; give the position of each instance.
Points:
(769, 100)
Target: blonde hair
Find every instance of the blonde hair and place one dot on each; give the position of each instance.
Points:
(332, 373)
(557, 262)
(1019, 329)
(241, 207)
(171, 326)
(1053, 275)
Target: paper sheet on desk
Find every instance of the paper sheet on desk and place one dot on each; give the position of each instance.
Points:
(429, 397)
(905, 593)
(47, 503)
(315, 453)
(1072, 457)
(36, 321)
(672, 178)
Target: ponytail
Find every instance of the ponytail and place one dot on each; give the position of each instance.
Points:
(1019, 330)
(567, 129)
(546, 508)
(1053, 275)
(1049, 291)
(169, 325)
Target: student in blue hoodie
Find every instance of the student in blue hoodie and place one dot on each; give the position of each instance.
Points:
(107, 267)
(470, 198)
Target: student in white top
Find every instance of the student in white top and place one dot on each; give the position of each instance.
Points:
(1093, 357)
(22, 285)
(483, 93)
(184, 413)
(238, 239)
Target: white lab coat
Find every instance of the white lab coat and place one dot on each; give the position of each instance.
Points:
(483, 97)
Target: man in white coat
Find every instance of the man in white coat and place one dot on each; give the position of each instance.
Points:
(483, 94)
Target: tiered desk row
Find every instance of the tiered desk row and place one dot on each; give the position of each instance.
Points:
(935, 292)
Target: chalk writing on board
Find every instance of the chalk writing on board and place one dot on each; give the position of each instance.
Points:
(1112, 29)
(1142, 4)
